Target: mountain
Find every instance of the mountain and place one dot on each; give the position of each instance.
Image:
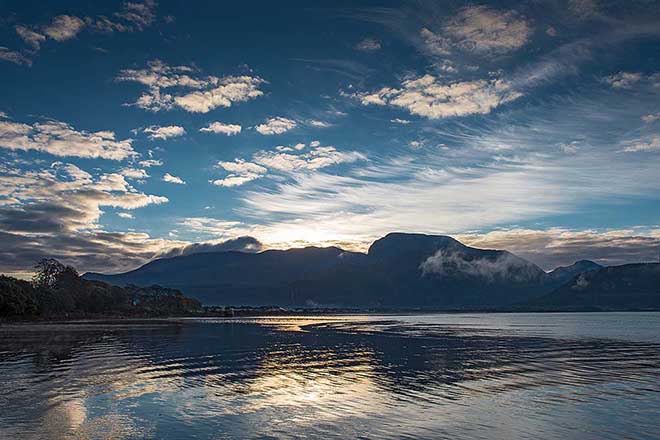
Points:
(237, 278)
(564, 274)
(399, 270)
(627, 287)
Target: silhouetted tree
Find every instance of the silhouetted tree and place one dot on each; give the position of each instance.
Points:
(58, 290)
(50, 272)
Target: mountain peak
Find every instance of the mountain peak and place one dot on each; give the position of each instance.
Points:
(400, 243)
(562, 274)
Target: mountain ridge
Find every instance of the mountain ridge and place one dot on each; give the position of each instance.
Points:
(399, 270)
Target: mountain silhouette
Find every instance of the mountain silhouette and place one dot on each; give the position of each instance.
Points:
(563, 274)
(626, 287)
(399, 270)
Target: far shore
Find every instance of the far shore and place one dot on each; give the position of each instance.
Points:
(256, 312)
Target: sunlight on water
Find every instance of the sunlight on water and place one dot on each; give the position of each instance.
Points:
(504, 376)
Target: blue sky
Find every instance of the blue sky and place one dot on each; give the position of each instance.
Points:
(131, 129)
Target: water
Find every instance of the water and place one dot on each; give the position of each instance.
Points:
(477, 376)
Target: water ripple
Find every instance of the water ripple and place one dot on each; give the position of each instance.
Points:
(338, 377)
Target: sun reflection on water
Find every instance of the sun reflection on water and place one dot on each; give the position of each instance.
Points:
(323, 377)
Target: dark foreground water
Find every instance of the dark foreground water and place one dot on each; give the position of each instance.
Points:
(472, 376)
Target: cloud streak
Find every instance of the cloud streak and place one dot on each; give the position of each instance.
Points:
(285, 160)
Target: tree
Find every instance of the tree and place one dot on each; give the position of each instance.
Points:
(50, 272)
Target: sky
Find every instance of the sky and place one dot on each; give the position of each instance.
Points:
(135, 130)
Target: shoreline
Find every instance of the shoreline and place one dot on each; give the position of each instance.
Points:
(255, 313)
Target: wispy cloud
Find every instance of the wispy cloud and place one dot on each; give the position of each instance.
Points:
(650, 118)
(151, 163)
(283, 160)
(14, 57)
(553, 247)
(368, 45)
(624, 80)
(646, 144)
(31, 37)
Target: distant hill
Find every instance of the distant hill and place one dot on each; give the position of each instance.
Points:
(399, 270)
(564, 274)
(627, 287)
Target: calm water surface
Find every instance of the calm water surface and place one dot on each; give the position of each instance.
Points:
(476, 376)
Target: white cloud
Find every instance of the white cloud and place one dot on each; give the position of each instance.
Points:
(173, 179)
(231, 89)
(222, 128)
(651, 143)
(166, 132)
(64, 197)
(151, 163)
(209, 92)
(134, 173)
(624, 80)
(276, 125)
(368, 45)
(127, 215)
(426, 96)
(61, 139)
(651, 118)
(400, 121)
(64, 27)
(4, 115)
(31, 37)
(484, 30)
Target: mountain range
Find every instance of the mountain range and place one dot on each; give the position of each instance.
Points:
(399, 271)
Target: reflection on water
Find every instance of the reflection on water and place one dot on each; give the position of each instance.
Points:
(568, 376)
